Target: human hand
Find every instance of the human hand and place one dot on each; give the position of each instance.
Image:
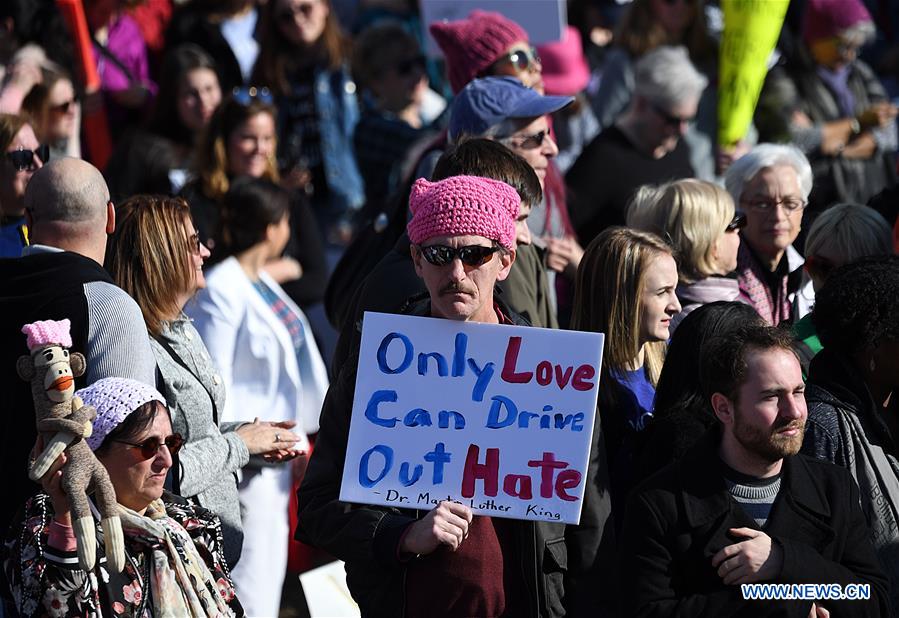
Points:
(51, 482)
(284, 269)
(563, 255)
(447, 524)
(818, 612)
(878, 115)
(753, 560)
(268, 438)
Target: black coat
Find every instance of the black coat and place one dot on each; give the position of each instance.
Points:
(679, 519)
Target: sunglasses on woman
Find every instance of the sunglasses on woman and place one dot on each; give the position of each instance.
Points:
(528, 142)
(737, 223)
(150, 446)
(471, 255)
(521, 59)
(23, 159)
(63, 108)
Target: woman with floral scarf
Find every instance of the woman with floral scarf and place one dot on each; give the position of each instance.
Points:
(174, 564)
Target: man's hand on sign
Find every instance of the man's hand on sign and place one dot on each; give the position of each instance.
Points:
(447, 524)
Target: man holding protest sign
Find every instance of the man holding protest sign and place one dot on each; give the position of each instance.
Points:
(406, 562)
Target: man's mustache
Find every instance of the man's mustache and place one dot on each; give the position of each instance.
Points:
(453, 288)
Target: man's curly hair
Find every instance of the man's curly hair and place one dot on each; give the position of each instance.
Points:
(858, 307)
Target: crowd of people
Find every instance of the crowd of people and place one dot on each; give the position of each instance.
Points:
(208, 218)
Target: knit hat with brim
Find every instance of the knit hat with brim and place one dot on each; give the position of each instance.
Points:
(472, 44)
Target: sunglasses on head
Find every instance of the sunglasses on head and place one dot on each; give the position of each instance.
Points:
(245, 96)
(23, 159)
(411, 65)
(521, 59)
(150, 446)
(288, 13)
(471, 255)
(737, 223)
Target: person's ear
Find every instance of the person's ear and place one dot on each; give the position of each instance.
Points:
(506, 259)
(110, 217)
(723, 408)
(415, 252)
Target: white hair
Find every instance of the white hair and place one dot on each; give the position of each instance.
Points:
(666, 77)
(765, 156)
(849, 232)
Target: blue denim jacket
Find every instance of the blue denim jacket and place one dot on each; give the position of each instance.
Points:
(338, 113)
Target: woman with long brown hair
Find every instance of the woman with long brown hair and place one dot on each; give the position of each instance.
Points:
(303, 60)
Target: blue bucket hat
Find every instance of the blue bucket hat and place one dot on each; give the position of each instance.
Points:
(489, 101)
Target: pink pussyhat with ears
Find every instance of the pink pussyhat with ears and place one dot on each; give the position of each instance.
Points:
(565, 69)
(463, 206)
(48, 332)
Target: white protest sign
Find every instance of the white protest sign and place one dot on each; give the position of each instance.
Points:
(497, 417)
(543, 20)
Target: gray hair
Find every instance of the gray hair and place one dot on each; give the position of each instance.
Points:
(850, 232)
(666, 77)
(765, 156)
(67, 190)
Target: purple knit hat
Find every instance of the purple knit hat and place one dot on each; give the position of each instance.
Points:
(114, 399)
(463, 205)
(829, 18)
(472, 44)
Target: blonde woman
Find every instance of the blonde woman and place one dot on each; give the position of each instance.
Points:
(625, 288)
(699, 221)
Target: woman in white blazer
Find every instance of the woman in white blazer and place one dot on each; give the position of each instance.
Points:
(271, 367)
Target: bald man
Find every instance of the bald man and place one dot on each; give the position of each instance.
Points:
(60, 275)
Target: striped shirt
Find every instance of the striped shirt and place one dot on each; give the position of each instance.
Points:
(755, 495)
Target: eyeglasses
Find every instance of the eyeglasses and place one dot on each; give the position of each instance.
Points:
(670, 120)
(521, 59)
(790, 204)
(290, 12)
(528, 142)
(471, 255)
(150, 446)
(737, 223)
(411, 65)
(245, 96)
(23, 160)
(195, 243)
(63, 108)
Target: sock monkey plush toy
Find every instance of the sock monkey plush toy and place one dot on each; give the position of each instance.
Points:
(64, 421)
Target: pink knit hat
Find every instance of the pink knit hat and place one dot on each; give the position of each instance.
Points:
(472, 44)
(829, 18)
(463, 205)
(114, 399)
(565, 69)
(48, 332)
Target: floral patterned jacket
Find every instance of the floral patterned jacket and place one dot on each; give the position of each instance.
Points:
(48, 582)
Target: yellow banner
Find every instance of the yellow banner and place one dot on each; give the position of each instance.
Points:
(751, 29)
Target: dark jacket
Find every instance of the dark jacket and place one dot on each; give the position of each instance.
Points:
(680, 518)
(845, 427)
(366, 537)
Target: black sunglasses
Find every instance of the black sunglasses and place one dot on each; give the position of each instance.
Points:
(471, 255)
(245, 96)
(668, 119)
(150, 446)
(410, 65)
(63, 108)
(529, 142)
(288, 14)
(24, 159)
(737, 223)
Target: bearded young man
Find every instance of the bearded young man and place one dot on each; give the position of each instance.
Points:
(743, 507)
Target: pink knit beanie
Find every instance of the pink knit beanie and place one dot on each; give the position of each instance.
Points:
(461, 206)
(115, 399)
(48, 332)
(829, 18)
(472, 44)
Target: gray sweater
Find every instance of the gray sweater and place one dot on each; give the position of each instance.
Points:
(212, 456)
